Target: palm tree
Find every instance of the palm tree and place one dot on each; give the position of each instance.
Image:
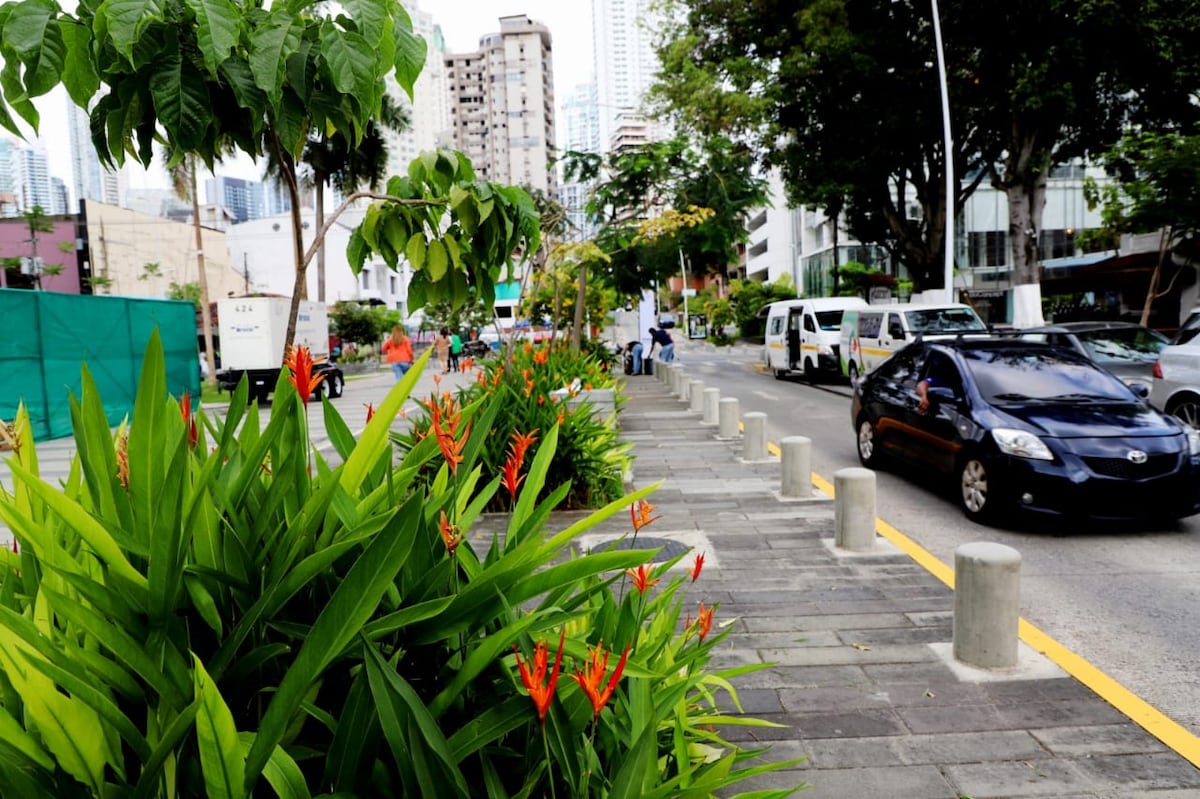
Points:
(333, 161)
(183, 181)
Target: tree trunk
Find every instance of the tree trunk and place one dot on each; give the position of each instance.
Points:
(1026, 193)
(205, 309)
(287, 171)
(1155, 278)
(580, 298)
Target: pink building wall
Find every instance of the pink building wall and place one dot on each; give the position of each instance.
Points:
(14, 235)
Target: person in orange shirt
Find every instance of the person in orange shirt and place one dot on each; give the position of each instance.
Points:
(398, 351)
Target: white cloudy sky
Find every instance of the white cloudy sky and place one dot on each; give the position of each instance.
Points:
(462, 22)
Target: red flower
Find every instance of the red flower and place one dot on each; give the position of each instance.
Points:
(540, 356)
(697, 566)
(641, 578)
(592, 675)
(451, 537)
(370, 411)
(299, 362)
(704, 620)
(534, 677)
(185, 407)
(522, 442)
(516, 458)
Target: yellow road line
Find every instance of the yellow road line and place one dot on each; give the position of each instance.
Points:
(1138, 710)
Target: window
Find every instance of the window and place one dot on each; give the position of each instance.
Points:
(869, 324)
(392, 284)
(776, 326)
(988, 248)
(366, 278)
(809, 325)
(895, 326)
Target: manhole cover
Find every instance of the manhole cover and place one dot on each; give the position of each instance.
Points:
(670, 549)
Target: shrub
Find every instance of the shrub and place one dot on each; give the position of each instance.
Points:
(207, 607)
(536, 385)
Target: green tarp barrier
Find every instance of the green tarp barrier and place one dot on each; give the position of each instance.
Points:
(45, 339)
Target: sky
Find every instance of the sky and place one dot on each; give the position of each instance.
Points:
(463, 22)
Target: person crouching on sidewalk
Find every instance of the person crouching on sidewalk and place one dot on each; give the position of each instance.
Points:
(666, 345)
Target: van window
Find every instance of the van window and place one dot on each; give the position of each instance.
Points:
(829, 320)
(869, 323)
(944, 320)
(776, 326)
(808, 324)
(895, 326)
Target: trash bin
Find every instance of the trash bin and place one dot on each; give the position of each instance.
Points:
(647, 366)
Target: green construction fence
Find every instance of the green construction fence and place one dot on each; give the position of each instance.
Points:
(45, 339)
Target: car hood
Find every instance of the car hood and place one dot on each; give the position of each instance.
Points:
(1094, 419)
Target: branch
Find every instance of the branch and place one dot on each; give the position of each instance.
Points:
(359, 195)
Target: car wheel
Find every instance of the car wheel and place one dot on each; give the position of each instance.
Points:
(810, 371)
(853, 373)
(336, 385)
(868, 445)
(1187, 410)
(977, 493)
(780, 373)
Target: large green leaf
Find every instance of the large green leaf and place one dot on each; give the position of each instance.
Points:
(352, 604)
(217, 26)
(282, 772)
(271, 44)
(30, 31)
(127, 18)
(14, 735)
(410, 58)
(221, 760)
(181, 100)
(436, 260)
(351, 61)
(372, 19)
(374, 437)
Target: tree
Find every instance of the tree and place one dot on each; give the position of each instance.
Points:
(1158, 189)
(842, 98)
(183, 180)
(36, 221)
(198, 75)
(358, 323)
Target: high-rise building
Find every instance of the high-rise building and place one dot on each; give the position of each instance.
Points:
(8, 199)
(582, 127)
(93, 181)
(429, 110)
(502, 105)
(625, 61)
(243, 197)
(60, 200)
(31, 178)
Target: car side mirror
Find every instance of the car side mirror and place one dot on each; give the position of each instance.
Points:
(1139, 388)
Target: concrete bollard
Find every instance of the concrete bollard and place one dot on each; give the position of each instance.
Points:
(795, 454)
(712, 402)
(696, 395)
(987, 604)
(683, 385)
(854, 509)
(727, 418)
(662, 372)
(676, 377)
(754, 445)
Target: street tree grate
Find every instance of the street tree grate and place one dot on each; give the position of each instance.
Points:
(670, 549)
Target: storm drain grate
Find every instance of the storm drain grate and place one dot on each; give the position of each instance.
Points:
(670, 549)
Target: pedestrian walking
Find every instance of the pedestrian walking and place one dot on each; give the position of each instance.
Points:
(666, 345)
(456, 347)
(441, 346)
(398, 351)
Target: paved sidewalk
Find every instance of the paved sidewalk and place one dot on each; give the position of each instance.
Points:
(862, 676)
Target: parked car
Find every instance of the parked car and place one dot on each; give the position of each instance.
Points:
(1026, 426)
(1176, 385)
(1126, 349)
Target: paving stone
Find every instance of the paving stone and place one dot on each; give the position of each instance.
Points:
(832, 656)
(1031, 715)
(1141, 771)
(864, 723)
(1120, 738)
(925, 782)
(900, 635)
(1047, 777)
(973, 748)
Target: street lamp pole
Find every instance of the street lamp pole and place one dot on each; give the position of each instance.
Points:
(948, 233)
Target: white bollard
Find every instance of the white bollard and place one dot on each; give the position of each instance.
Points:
(754, 445)
(662, 372)
(987, 604)
(727, 418)
(795, 454)
(683, 385)
(712, 402)
(696, 395)
(854, 509)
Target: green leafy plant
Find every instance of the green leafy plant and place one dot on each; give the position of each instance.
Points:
(209, 607)
(539, 386)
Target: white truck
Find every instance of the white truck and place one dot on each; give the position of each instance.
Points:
(252, 333)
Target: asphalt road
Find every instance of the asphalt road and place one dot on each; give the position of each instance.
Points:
(1125, 599)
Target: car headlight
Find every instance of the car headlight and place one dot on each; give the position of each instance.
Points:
(824, 349)
(1193, 438)
(1021, 444)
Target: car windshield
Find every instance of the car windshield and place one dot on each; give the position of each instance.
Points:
(829, 320)
(1123, 345)
(1023, 375)
(1189, 329)
(945, 320)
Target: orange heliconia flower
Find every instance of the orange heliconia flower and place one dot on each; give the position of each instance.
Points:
(299, 362)
(533, 674)
(541, 399)
(512, 477)
(522, 442)
(640, 514)
(697, 566)
(185, 407)
(370, 411)
(641, 578)
(592, 675)
(560, 417)
(481, 377)
(587, 386)
(541, 356)
(528, 348)
(704, 620)
(451, 536)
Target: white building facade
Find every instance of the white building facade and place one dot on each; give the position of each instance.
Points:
(625, 61)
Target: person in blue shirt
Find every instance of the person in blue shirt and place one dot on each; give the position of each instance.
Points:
(666, 345)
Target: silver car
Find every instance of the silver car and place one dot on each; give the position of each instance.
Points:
(1176, 388)
(1126, 349)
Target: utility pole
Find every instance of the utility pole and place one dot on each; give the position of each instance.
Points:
(246, 273)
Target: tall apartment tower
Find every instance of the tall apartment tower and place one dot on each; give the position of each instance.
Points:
(244, 198)
(92, 180)
(429, 110)
(502, 105)
(582, 123)
(625, 61)
(31, 179)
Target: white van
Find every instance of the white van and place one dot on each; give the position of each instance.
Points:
(803, 334)
(870, 335)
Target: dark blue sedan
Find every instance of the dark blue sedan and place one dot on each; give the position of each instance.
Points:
(1026, 426)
